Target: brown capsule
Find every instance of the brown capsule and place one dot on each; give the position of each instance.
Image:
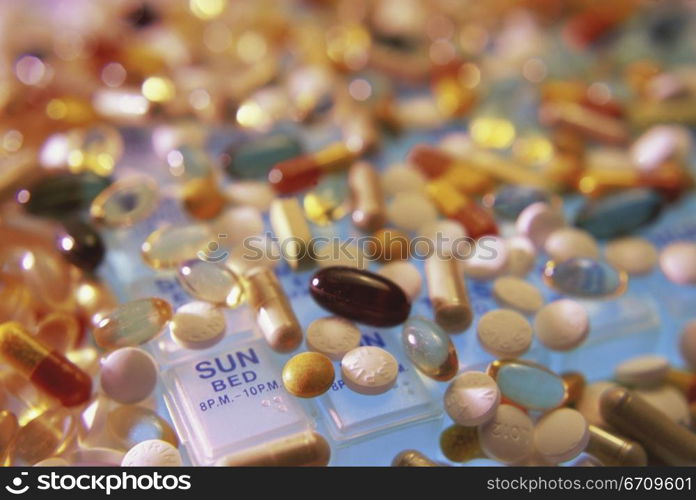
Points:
(367, 197)
(575, 384)
(633, 416)
(448, 294)
(202, 198)
(274, 315)
(308, 449)
(460, 444)
(292, 230)
(413, 458)
(614, 450)
(387, 245)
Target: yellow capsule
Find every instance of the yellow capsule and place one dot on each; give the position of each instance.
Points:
(308, 449)
(49, 434)
(202, 198)
(168, 247)
(322, 208)
(596, 182)
(466, 180)
(335, 156)
(133, 323)
(490, 132)
(533, 150)
(158, 89)
(8, 430)
(126, 201)
(71, 110)
(645, 113)
(292, 230)
(460, 444)
(308, 374)
(448, 200)
(274, 315)
(59, 331)
(369, 212)
(128, 425)
(451, 98)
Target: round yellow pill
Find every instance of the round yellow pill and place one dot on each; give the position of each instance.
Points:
(308, 374)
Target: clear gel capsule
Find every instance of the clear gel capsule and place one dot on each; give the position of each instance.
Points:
(168, 247)
(584, 277)
(430, 349)
(460, 444)
(448, 294)
(133, 323)
(126, 202)
(632, 416)
(211, 282)
(274, 314)
(528, 384)
(47, 369)
(367, 197)
(305, 449)
(293, 232)
(360, 295)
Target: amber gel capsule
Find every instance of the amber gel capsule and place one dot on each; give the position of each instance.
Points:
(49, 370)
(360, 295)
(273, 312)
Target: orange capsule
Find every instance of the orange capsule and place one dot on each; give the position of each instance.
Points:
(202, 198)
(47, 369)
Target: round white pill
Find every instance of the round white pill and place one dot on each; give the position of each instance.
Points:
(516, 293)
(504, 333)
(406, 275)
(198, 325)
(631, 254)
(687, 343)
(561, 435)
(472, 398)
(332, 336)
(588, 404)
(411, 211)
(670, 401)
(152, 453)
(678, 262)
(402, 178)
(568, 242)
(369, 370)
(521, 256)
(562, 325)
(128, 375)
(538, 221)
(488, 259)
(508, 436)
(642, 371)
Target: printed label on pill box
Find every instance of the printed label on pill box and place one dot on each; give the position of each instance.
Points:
(229, 400)
(352, 415)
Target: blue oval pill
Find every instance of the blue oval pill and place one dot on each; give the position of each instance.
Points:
(509, 201)
(585, 277)
(254, 159)
(620, 213)
(529, 384)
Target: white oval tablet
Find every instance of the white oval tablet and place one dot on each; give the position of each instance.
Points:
(588, 404)
(332, 336)
(631, 254)
(562, 325)
(561, 435)
(411, 211)
(198, 325)
(642, 371)
(678, 262)
(152, 453)
(538, 221)
(488, 260)
(504, 333)
(472, 398)
(369, 370)
(508, 436)
(670, 401)
(568, 242)
(513, 292)
(521, 256)
(406, 275)
(128, 375)
(687, 343)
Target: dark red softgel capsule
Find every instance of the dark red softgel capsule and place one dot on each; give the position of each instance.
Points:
(360, 295)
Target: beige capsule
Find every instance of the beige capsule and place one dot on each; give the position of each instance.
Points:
(291, 228)
(448, 294)
(309, 449)
(49, 434)
(369, 213)
(615, 450)
(274, 314)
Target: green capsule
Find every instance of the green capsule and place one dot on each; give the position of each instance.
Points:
(63, 194)
(254, 159)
